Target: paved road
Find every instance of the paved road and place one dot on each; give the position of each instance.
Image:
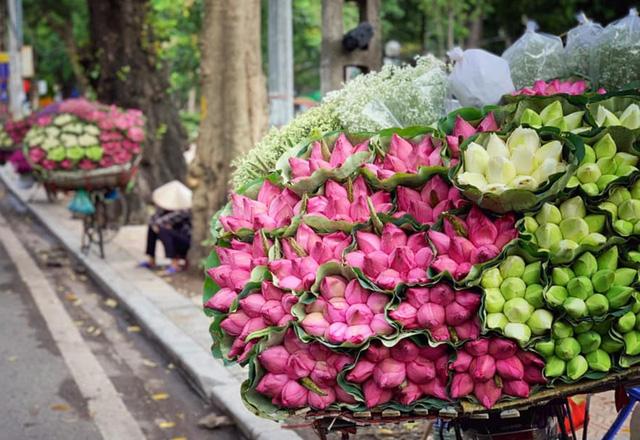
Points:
(73, 365)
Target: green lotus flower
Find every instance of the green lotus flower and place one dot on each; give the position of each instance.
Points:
(554, 367)
(561, 330)
(597, 304)
(577, 367)
(599, 360)
(567, 348)
(496, 321)
(545, 348)
(519, 332)
(540, 321)
(491, 278)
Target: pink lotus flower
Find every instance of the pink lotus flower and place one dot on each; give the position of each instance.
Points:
(461, 385)
(482, 368)
(487, 393)
(271, 384)
(510, 368)
(554, 87)
(342, 149)
(421, 370)
(462, 130)
(375, 395)
(405, 315)
(406, 157)
(426, 206)
(318, 401)
(37, 154)
(294, 395)
(222, 300)
(86, 164)
(516, 388)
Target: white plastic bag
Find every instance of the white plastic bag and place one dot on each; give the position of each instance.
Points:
(478, 78)
(580, 42)
(615, 59)
(535, 56)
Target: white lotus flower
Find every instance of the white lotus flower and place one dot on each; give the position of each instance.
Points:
(474, 179)
(630, 117)
(69, 140)
(61, 120)
(522, 157)
(551, 150)
(92, 130)
(497, 188)
(548, 167)
(500, 170)
(475, 158)
(605, 118)
(496, 146)
(50, 143)
(524, 182)
(523, 136)
(52, 131)
(86, 140)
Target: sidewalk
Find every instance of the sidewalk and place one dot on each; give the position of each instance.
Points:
(175, 321)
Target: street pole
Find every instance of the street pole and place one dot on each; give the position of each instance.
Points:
(15, 67)
(280, 62)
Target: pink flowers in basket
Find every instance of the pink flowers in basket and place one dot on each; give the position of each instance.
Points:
(406, 157)
(556, 86)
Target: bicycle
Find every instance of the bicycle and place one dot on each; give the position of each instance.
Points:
(110, 212)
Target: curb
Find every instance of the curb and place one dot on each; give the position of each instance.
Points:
(206, 375)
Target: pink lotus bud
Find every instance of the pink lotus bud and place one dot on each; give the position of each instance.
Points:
(506, 230)
(336, 310)
(234, 323)
(334, 190)
(392, 237)
(270, 292)
(431, 316)
(342, 149)
(338, 209)
(355, 259)
(396, 164)
(462, 270)
(323, 373)
(434, 353)
(322, 402)
(481, 230)
(405, 314)
(453, 142)
(333, 286)
(377, 302)
(462, 362)
(389, 373)
(417, 241)
(306, 237)
(317, 205)
(409, 394)
(299, 167)
(355, 293)
(286, 319)
(380, 326)
(501, 348)
(252, 304)
(315, 324)
(443, 263)
(421, 370)
(469, 329)
(406, 198)
(462, 128)
(377, 353)
(488, 123)
(339, 361)
(375, 263)
(358, 314)
(487, 393)
(457, 314)
(292, 344)
(236, 348)
(342, 396)
(336, 333)
(271, 384)
(294, 395)
(442, 368)
(483, 253)
(482, 368)
(533, 375)
(319, 352)
(510, 368)
(400, 147)
(461, 385)
(468, 299)
(367, 242)
(516, 388)
(374, 395)
(361, 372)
(423, 258)
(404, 351)
(288, 301)
(221, 300)
(402, 259)
(359, 210)
(252, 325)
(268, 192)
(477, 348)
(417, 296)
(442, 294)
(274, 359)
(529, 358)
(440, 208)
(388, 279)
(440, 334)
(281, 268)
(436, 388)
(460, 249)
(300, 364)
(417, 275)
(319, 305)
(247, 351)
(358, 334)
(272, 312)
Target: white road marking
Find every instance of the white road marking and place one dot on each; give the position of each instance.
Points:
(109, 413)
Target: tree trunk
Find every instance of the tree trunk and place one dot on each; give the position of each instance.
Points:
(131, 76)
(233, 104)
(475, 33)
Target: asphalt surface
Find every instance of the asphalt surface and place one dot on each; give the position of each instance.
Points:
(39, 397)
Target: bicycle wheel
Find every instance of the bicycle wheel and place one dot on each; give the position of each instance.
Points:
(112, 213)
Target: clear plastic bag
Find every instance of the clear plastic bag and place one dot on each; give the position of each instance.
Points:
(615, 59)
(478, 78)
(535, 56)
(580, 42)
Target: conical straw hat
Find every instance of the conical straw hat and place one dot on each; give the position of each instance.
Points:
(172, 196)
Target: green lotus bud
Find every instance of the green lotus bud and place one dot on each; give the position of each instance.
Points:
(574, 229)
(626, 322)
(512, 266)
(496, 321)
(605, 147)
(594, 240)
(623, 227)
(605, 180)
(556, 296)
(574, 120)
(540, 321)
(524, 182)
(629, 210)
(591, 189)
(595, 222)
(530, 224)
(599, 360)
(491, 278)
(548, 214)
(624, 276)
(531, 118)
(567, 348)
(517, 310)
(586, 265)
(597, 304)
(619, 195)
(609, 259)
(493, 300)
(513, 288)
(630, 117)
(534, 295)
(561, 276)
(603, 280)
(573, 207)
(618, 296)
(545, 348)
(517, 331)
(476, 158)
(589, 341)
(632, 343)
(550, 150)
(589, 173)
(637, 327)
(602, 327)
(636, 228)
(531, 274)
(589, 155)
(551, 112)
(580, 287)
(623, 158)
(554, 367)
(635, 190)
(607, 165)
(577, 367)
(635, 308)
(634, 255)
(548, 235)
(609, 207)
(573, 182)
(564, 249)
(611, 345)
(561, 330)
(559, 123)
(575, 307)
(582, 327)
(625, 170)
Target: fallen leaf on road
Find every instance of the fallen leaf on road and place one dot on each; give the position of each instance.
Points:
(160, 396)
(149, 363)
(78, 323)
(110, 302)
(166, 425)
(213, 421)
(12, 358)
(133, 329)
(71, 297)
(178, 438)
(170, 366)
(60, 407)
